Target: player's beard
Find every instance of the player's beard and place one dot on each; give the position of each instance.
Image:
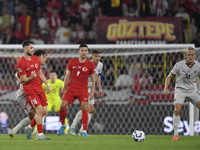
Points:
(29, 54)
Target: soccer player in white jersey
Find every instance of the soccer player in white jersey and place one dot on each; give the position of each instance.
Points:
(96, 56)
(21, 99)
(187, 72)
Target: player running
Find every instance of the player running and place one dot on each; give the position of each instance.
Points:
(187, 72)
(21, 98)
(29, 69)
(78, 69)
(96, 56)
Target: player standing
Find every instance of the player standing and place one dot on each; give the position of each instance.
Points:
(53, 98)
(96, 56)
(21, 98)
(79, 69)
(187, 72)
(29, 69)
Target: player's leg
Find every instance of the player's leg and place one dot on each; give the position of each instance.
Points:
(62, 114)
(176, 120)
(49, 107)
(90, 112)
(179, 98)
(75, 121)
(26, 121)
(84, 107)
(56, 107)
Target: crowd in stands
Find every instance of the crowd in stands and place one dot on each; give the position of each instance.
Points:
(75, 21)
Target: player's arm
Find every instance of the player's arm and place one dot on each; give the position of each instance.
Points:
(99, 85)
(66, 82)
(42, 77)
(91, 95)
(167, 81)
(25, 80)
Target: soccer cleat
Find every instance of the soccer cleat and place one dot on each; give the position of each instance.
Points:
(36, 137)
(80, 133)
(61, 130)
(175, 138)
(43, 137)
(10, 133)
(28, 133)
(84, 134)
(72, 131)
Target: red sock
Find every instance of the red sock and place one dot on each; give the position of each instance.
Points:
(33, 122)
(63, 115)
(40, 128)
(84, 119)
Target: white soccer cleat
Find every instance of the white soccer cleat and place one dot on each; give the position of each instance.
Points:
(10, 133)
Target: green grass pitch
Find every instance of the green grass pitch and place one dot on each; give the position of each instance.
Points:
(99, 142)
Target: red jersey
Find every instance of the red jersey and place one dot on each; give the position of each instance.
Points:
(80, 73)
(25, 66)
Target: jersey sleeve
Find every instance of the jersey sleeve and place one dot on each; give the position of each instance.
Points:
(69, 67)
(21, 68)
(92, 71)
(175, 69)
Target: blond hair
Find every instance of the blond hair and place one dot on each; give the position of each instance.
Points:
(190, 49)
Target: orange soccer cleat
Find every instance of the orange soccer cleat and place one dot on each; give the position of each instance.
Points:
(175, 138)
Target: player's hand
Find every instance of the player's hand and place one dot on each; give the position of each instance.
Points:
(48, 89)
(63, 91)
(91, 95)
(166, 91)
(15, 103)
(21, 81)
(33, 75)
(101, 93)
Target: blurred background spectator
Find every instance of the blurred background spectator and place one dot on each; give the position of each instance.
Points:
(82, 16)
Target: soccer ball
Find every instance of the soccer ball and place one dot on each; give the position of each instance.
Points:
(138, 136)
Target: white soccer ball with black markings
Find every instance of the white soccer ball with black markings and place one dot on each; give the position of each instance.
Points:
(138, 136)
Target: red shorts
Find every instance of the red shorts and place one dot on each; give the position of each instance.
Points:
(71, 96)
(37, 99)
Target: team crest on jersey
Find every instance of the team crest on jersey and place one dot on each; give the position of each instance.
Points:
(36, 65)
(85, 69)
(195, 71)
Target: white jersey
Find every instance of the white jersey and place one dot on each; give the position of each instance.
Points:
(98, 70)
(186, 76)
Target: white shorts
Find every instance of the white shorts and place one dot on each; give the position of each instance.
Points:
(21, 99)
(90, 101)
(179, 97)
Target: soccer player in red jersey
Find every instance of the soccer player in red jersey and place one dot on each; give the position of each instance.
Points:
(78, 69)
(30, 72)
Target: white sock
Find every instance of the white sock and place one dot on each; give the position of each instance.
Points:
(176, 122)
(77, 119)
(39, 134)
(89, 118)
(29, 126)
(26, 121)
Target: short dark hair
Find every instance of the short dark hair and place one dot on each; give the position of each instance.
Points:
(83, 45)
(26, 43)
(53, 71)
(39, 52)
(95, 51)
